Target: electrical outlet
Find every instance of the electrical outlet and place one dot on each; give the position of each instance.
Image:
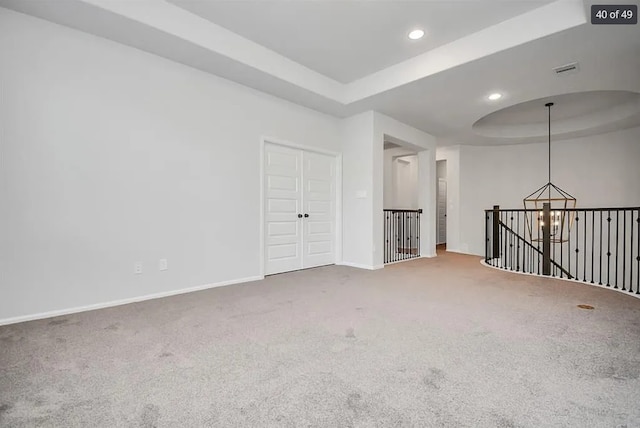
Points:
(162, 264)
(137, 268)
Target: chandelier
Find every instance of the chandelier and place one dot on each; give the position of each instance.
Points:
(559, 201)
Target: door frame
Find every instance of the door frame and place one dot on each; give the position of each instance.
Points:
(264, 140)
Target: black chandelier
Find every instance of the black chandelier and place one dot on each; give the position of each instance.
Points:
(559, 201)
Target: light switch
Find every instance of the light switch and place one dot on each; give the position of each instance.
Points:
(361, 194)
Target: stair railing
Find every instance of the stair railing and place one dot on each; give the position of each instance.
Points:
(602, 246)
(401, 234)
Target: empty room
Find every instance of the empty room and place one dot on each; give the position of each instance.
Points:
(319, 213)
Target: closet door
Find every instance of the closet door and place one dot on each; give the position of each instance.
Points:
(318, 202)
(283, 206)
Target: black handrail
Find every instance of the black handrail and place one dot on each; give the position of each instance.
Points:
(394, 210)
(533, 248)
(595, 245)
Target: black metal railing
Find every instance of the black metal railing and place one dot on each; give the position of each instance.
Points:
(593, 245)
(401, 234)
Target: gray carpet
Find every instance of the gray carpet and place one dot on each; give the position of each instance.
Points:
(431, 342)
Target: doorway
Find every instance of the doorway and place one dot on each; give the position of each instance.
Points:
(441, 203)
(299, 209)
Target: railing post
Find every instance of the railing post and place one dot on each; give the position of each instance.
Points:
(418, 232)
(495, 231)
(546, 238)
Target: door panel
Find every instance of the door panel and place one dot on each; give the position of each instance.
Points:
(282, 206)
(319, 227)
(283, 203)
(275, 182)
(282, 229)
(284, 251)
(319, 248)
(319, 195)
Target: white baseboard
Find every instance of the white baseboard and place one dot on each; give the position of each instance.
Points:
(360, 266)
(112, 303)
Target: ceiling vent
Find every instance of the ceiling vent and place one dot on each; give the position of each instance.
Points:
(567, 69)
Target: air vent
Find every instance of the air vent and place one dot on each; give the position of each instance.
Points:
(567, 69)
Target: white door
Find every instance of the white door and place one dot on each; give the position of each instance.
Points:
(319, 202)
(283, 204)
(442, 211)
(299, 209)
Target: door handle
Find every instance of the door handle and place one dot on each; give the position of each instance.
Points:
(306, 215)
(299, 215)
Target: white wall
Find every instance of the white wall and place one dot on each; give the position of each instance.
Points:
(390, 199)
(425, 145)
(406, 182)
(363, 186)
(357, 190)
(110, 155)
(600, 171)
(441, 169)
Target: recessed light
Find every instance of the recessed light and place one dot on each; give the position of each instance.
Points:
(495, 96)
(416, 34)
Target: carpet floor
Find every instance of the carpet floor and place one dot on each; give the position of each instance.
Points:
(439, 342)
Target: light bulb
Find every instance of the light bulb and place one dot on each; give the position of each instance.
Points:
(416, 34)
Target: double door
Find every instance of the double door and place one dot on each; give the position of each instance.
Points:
(300, 209)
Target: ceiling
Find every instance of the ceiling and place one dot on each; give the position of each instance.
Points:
(582, 114)
(345, 57)
(348, 40)
(574, 105)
